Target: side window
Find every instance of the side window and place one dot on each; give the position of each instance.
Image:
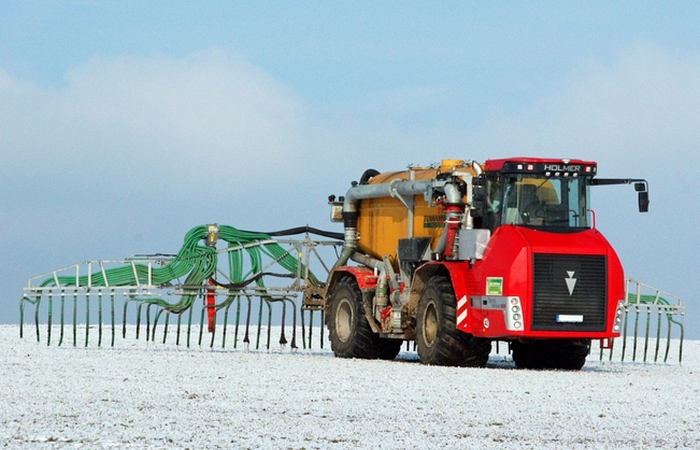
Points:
(494, 197)
(494, 204)
(578, 203)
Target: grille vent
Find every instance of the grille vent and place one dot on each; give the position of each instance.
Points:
(584, 307)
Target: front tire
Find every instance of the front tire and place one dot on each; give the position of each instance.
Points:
(563, 354)
(350, 334)
(437, 338)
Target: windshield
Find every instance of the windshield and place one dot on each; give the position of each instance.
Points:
(540, 202)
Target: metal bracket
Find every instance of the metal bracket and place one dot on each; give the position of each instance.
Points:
(407, 201)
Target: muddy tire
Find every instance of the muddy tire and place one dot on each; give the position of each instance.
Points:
(388, 348)
(563, 354)
(437, 339)
(523, 354)
(349, 332)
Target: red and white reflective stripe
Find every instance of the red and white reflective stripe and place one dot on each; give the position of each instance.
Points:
(462, 311)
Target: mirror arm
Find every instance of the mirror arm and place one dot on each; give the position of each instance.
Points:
(640, 185)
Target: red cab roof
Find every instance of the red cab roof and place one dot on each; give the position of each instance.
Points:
(497, 164)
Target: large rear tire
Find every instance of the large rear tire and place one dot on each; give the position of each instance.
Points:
(563, 354)
(437, 338)
(350, 334)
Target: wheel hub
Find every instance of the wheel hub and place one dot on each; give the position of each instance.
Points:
(344, 320)
(430, 325)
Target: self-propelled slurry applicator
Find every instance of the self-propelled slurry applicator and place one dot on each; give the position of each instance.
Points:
(452, 257)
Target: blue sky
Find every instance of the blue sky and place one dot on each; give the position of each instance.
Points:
(124, 124)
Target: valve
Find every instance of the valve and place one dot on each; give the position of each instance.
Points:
(212, 235)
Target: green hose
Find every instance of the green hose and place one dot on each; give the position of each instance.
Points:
(198, 263)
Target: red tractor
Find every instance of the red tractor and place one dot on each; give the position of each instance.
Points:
(456, 256)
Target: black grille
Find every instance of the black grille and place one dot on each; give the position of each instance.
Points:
(551, 296)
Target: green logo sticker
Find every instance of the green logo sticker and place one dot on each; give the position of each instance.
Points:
(434, 221)
(494, 286)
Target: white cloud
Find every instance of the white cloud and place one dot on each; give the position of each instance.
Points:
(625, 114)
(210, 115)
(7, 83)
(642, 106)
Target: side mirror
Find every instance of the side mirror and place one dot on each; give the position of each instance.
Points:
(643, 201)
(639, 185)
(641, 188)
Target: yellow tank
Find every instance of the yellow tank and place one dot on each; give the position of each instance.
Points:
(383, 221)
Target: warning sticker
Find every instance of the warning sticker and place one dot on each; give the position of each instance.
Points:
(494, 286)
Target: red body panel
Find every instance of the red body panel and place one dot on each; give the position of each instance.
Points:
(366, 279)
(509, 256)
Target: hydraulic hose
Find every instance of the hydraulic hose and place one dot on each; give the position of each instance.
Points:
(303, 229)
(197, 263)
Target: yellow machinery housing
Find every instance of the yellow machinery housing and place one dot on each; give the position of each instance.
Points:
(383, 221)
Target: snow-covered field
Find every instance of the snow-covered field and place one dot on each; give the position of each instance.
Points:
(149, 395)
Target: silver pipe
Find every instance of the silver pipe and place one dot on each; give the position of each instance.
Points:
(400, 187)
(381, 296)
(367, 261)
(349, 246)
(442, 242)
(478, 170)
(452, 196)
(359, 192)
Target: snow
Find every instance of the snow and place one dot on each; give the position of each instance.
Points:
(159, 396)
